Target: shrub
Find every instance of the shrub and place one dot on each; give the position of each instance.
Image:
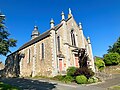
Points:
(90, 80)
(71, 71)
(112, 59)
(68, 79)
(95, 79)
(84, 71)
(58, 77)
(100, 64)
(81, 79)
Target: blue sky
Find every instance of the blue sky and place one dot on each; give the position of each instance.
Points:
(100, 19)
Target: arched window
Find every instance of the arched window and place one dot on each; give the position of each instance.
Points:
(42, 50)
(73, 38)
(58, 41)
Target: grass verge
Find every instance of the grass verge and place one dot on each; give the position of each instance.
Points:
(4, 86)
(114, 88)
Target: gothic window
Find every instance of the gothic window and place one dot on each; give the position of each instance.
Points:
(73, 38)
(42, 50)
(58, 41)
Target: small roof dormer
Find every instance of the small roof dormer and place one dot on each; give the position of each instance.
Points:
(35, 32)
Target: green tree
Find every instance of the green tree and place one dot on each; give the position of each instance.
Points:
(5, 41)
(112, 59)
(115, 47)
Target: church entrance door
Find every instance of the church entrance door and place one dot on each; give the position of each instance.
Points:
(76, 60)
(60, 65)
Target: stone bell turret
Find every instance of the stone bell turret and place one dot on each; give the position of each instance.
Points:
(35, 32)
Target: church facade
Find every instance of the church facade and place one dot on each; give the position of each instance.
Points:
(52, 52)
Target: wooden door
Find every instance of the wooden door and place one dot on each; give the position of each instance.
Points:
(76, 61)
(60, 64)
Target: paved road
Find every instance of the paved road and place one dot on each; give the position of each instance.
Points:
(29, 84)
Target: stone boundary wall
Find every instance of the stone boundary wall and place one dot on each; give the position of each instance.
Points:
(103, 76)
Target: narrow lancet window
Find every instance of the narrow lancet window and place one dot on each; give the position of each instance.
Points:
(42, 50)
(58, 40)
(73, 38)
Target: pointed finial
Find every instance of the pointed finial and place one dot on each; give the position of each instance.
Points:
(88, 39)
(35, 27)
(63, 16)
(62, 13)
(80, 25)
(52, 23)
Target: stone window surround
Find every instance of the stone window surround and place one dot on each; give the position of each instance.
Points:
(73, 41)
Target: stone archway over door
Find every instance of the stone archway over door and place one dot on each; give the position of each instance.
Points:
(60, 64)
(76, 60)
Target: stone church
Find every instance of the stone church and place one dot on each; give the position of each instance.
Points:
(52, 52)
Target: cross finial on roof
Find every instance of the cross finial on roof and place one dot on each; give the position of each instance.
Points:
(70, 11)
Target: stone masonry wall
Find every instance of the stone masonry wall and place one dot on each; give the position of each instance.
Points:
(37, 65)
